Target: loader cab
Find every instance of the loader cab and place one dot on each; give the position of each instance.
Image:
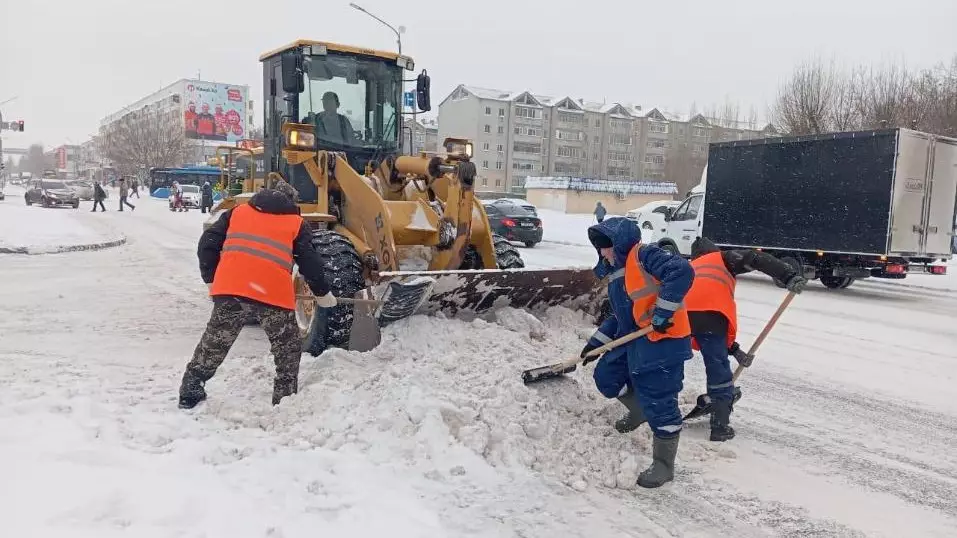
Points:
(350, 97)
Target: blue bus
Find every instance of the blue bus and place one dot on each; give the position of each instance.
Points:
(189, 175)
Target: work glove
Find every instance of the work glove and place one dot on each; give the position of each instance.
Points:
(660, 323)
(327, 301)
(588, 347)
(744, 358)
(796, 284)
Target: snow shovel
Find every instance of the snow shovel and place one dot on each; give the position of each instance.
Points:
(703, 404)
(400, 300)
(558, 369)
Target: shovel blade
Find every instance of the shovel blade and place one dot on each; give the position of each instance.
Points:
(402, 298)
(542, 373)
(365, 334)
(703, 405)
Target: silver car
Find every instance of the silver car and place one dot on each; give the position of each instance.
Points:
(83, 189)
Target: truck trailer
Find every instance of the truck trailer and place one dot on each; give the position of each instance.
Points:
(839, 207)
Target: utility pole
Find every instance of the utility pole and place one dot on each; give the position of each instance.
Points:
(1, 127)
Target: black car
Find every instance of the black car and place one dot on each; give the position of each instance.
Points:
(51, 192)
(514, 221)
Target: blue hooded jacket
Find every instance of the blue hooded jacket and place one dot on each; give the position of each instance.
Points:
(675, 275)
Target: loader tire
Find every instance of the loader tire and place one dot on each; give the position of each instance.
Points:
(506, 256)
(342, 268)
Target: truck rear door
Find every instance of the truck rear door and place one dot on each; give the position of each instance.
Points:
(910, 188)
(941, 194)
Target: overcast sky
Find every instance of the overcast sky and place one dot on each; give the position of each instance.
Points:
(71, 62)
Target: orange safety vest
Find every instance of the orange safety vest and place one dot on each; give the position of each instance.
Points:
(642, 288)
(256, 260)
(713, 291)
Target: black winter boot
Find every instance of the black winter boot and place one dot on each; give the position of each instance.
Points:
(662, 469)
(191, 390)
(634, 417)
(721, 429)
(282, 388)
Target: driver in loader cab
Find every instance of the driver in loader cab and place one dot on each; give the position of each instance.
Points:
(246, 258)
(714, 317)
(330, 125)
(646, 287)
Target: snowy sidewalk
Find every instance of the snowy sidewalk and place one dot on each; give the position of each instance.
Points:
(38, 230)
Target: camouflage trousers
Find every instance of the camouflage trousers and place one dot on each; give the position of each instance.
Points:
(227, 320)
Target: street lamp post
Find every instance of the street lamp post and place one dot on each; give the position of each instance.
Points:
(1, 125)
(398, 33)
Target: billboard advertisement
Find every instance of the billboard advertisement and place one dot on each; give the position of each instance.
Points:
(214, 111)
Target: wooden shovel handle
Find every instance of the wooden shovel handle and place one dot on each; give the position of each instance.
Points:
(346, 300)
(764, 332)
(605, 348)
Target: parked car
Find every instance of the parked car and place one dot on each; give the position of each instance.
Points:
(50, 193)
(192, 196)
(522, 203)
(514, 221)
(651, 216)
(83, 189)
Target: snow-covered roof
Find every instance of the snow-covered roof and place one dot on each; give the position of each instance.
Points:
(546, 100)
(664, 113)
(601, 185)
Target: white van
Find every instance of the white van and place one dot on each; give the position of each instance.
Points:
(683, 225)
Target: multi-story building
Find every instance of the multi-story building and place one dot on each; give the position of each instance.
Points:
(65, 160)
(210, 114)
(521, 134)
(424, 137)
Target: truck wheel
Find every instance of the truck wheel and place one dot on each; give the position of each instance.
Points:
(795, 264)
(832, 282)
(27, 200)
(848, 280)
(342, 268)
(647, 226)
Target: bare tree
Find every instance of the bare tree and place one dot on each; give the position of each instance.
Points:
(144, 139)
(683, 166)
(807, 103)
(882, 96)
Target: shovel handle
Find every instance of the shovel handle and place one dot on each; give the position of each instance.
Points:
(346, 300)
(607, 347)
(764, 332)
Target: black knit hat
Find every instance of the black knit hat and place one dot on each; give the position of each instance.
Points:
(598, 239)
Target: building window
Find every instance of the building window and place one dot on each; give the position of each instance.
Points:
(619, 139)
(699, 132)
(527, 147)
(501, 129)
(521, 165)
(700, 148)
(618, 124)
(488, 111)
(655, 159)
(498, 165)
(498, 182)
(527, 112)
(485, 165)
(597, 123)
(485, 182)
(569, 117)
(488, 128)
(485, 146)
(658, 127)
(569, 151)
(567, 168)
(528, 131)
(501, 112)
(568, 135)
(658, 144)
(614, 171)
(618, 156)
(499, 148)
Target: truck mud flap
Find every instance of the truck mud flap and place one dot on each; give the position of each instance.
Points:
(470, 293)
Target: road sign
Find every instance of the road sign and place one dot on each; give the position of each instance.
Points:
(409, 98)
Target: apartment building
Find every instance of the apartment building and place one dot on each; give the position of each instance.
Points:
(419, 136)
(521, 134)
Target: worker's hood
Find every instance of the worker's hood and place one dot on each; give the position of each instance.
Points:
(624, 235)
(273, 202)
(702, 246)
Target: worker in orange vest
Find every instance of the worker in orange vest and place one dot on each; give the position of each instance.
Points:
(714, 319)
(246, 258)
(646, 287)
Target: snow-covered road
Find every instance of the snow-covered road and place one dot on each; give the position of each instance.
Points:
(846, 427)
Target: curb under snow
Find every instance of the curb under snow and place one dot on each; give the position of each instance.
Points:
(63, 248)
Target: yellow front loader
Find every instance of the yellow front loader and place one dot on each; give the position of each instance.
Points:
(384, 221)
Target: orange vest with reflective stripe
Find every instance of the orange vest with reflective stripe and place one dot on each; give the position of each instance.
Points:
(256, 260)
(713, 291)
(642, 288)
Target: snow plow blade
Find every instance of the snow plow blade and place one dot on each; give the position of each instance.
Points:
(473, 292)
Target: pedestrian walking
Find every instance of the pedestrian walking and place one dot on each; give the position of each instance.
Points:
(124, 192)
(246, 258)
(135, 187)
(207, 199)
(98, 196)
(600, 212)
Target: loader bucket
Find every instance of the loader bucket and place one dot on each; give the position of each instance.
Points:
(470, 293)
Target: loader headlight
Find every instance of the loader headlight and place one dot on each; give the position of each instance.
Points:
(405, 62)
(300, 138)
(458, 149)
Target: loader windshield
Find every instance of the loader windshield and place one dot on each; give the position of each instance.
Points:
(352, 101)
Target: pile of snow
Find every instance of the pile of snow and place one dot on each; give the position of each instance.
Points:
(445, 397)
(37, 230)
